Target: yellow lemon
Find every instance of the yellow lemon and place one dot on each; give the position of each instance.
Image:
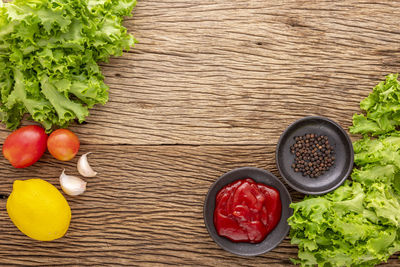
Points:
(38, 209)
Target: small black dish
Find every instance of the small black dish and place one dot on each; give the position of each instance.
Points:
(274, 238)
(338, 138)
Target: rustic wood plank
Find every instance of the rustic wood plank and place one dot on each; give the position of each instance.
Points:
(232, 72)
(144, 208)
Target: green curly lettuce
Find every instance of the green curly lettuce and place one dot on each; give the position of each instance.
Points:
(382, 109)
(353, 226)
(49, 51)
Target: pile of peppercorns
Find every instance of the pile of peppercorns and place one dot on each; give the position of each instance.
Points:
(313, 155)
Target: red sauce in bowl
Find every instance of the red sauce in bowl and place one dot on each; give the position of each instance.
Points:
(247, 211)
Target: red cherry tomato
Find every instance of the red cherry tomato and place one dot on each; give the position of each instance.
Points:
(63, 144)
(25, 146)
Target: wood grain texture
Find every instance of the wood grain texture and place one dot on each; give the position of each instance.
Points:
(209, 87)
(238, 72)
(144, 208)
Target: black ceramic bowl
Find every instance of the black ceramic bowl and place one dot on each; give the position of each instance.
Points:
(343, 150)
(274, 238)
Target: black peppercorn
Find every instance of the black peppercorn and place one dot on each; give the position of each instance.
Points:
(313, 154)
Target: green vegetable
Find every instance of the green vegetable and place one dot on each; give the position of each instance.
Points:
(358, 224)
(49, 51)
(352, 226)
(382, 107)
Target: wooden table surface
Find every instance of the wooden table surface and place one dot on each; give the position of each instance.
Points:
(209, 87)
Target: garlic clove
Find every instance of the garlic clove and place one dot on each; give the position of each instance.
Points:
(72, 185)
(84, 168)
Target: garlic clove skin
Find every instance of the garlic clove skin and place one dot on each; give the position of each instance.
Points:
(72, 185)
(84, 168)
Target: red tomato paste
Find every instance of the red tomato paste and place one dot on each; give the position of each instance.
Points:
(247, 211)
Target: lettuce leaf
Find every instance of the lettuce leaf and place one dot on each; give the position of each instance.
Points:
(382, 109)
(352, 226)
(49, 51)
